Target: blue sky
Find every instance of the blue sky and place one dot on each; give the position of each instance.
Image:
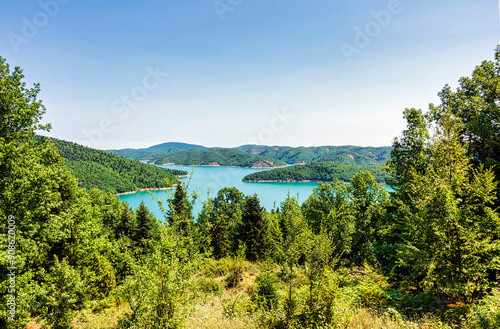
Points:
(118, 74)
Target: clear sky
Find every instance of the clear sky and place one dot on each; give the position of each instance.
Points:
(118, 74)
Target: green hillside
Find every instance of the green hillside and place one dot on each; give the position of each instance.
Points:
(320, 171)
(155, 151)
(108, 172)
(219, 157)
(355, 155)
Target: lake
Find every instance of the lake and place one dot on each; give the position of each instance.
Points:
(214, 178)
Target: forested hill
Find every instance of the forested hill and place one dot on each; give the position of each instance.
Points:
(320, 171)
(219, 157)
(108, 172)
(155, 151)
(355, 155)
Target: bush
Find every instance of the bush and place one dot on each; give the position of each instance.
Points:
(235, 276)
(266, 294)
(209, 286)
(486, 313)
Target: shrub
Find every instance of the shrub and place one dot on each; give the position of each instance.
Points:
(486, 313)
(209, 286)
(266, 294)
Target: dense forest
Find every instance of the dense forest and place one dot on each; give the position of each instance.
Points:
(110, 173)
(350, 256)
(219, 157)
(321, 171)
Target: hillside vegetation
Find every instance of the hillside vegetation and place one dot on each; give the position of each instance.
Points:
(111, 173)
(354, 155)
(321, 171)
(155, 151)
(219, 157)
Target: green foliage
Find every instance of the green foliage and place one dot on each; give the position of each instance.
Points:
(220, 218)
(328, 209)
(485, 314)
(410, 150)
(148, 228)
(266, 294)
(253, 229)
(63, 288)
(158, 290)
(235, 275)
(180, 213)
(295, 244)
(209, 285)
(21, 111)
(219, 157)
(475, 102)
(451, 226)
(322, 171)
(318, 259)
(368, 201)
(98, 169)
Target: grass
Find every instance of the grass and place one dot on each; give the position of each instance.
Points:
(348, 301)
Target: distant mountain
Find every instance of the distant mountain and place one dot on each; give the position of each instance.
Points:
(355, 155)
(347, 154)
(246, 146)
(155, 151)
(219, 157)
(111, 173)
(174, 145)
(319, 171)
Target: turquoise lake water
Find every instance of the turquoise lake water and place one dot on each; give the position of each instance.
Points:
(215, 178)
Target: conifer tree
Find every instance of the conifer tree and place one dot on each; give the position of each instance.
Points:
(147, 226)
(451, 224)
(253, 229)
(180, 213)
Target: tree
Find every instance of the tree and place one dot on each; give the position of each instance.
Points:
(329, 209)
(296, 238)
(20, 110)
(368, 203)
(147, 227)
(410, 151)
(58, 227)
(253, 229)
(180, 213)
(451, 224)
(229, 203)
(477, 103)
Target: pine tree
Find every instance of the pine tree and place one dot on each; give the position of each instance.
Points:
(253, 229)
(180, 213)
(147, 226)
(451, 224)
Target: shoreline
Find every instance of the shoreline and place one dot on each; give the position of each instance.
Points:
(147, 189)
(173, 164)
(296, 181)
(288, 181)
